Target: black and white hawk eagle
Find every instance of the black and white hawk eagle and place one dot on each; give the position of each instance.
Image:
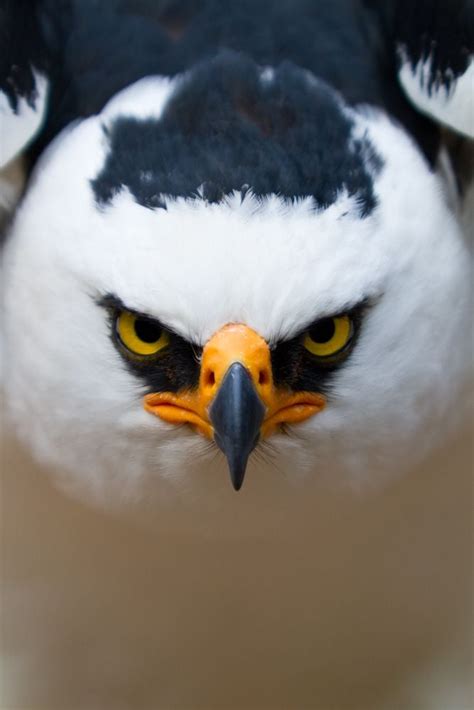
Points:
(235, 247)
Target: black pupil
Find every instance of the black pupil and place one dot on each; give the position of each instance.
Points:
(323, 331)
(147, 331)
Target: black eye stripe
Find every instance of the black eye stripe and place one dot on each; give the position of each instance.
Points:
(297, 369)
(178, 366)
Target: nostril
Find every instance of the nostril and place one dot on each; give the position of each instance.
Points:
(209, 378)
(263, 377)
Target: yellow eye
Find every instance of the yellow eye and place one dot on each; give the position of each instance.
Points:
(142, 336)
(329, 336)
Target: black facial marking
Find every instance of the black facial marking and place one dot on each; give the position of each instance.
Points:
(173, 369)
(297, 369)
(177, 366)
(224, 129)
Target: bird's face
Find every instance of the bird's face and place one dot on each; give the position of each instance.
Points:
(164, 347)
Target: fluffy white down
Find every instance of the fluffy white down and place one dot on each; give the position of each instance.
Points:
(197, 267)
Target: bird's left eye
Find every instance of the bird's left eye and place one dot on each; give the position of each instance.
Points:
(329, 336)
(139, 335)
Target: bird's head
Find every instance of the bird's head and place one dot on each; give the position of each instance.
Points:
(276, 281)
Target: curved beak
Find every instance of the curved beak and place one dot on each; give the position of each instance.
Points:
(237, 414)
(236, 402)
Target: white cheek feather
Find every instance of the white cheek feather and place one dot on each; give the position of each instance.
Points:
(453, 106)
(408, 383)
(274, 266)
(22, 125)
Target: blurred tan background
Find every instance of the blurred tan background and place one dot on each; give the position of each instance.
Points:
(355, 602)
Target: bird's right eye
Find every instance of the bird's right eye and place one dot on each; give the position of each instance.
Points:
(329, 336)
(139, 335)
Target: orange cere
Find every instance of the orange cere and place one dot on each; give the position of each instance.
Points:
(234, 343)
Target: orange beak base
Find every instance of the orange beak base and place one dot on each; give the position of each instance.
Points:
(236, 402)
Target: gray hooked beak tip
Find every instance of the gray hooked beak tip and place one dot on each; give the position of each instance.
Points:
(236, 415)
